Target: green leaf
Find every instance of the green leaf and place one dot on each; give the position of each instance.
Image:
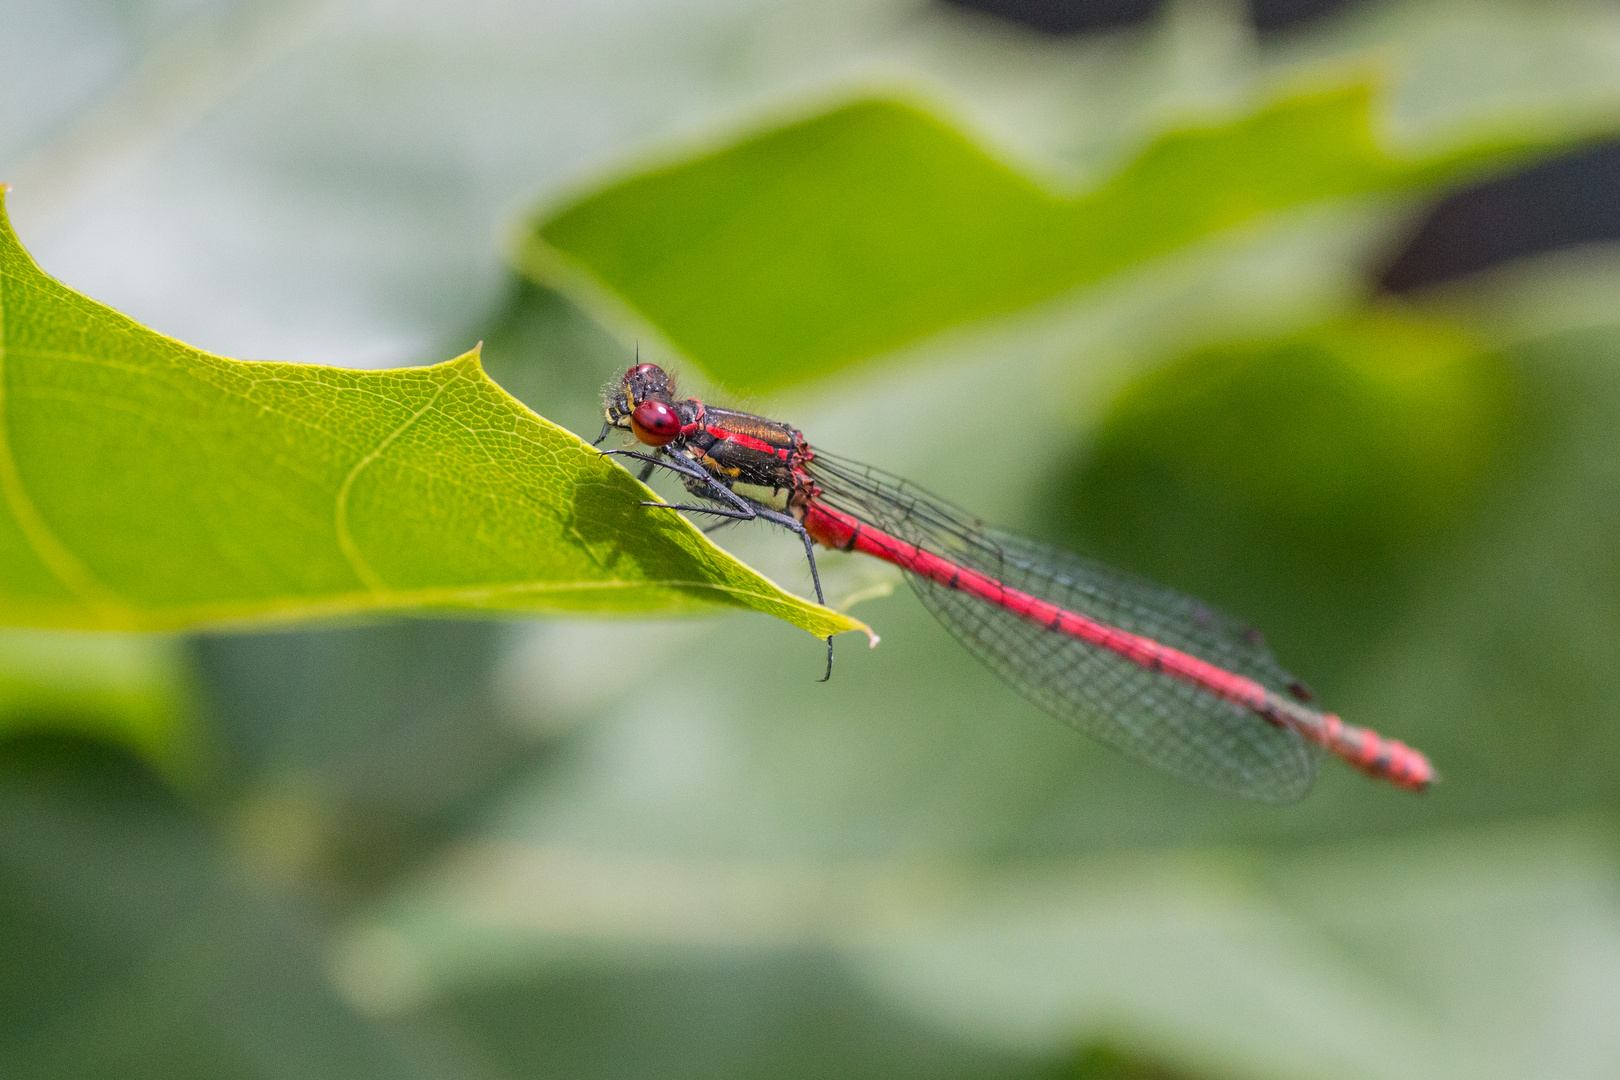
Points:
(848, 234)
(147, 485)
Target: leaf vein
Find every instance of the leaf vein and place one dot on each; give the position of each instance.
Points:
(351, 551)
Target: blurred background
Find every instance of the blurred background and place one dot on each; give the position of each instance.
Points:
(1379, 422)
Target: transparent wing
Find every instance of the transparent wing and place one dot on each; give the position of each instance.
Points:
(1147, 715)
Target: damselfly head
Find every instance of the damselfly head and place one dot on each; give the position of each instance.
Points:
(641, 384)
(650, 378)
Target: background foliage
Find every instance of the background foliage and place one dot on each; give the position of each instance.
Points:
(467, 849)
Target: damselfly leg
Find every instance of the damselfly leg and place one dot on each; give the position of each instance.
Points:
(737, 508)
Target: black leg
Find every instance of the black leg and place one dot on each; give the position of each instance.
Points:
(787, 521)
(607, 426)
(742, 510)
(793, 524)
(737, 514)
(652, 463)
(647, 470)
(629, 454)
(682, 466)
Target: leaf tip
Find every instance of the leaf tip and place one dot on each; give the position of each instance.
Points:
(848, 625)
(472, 361)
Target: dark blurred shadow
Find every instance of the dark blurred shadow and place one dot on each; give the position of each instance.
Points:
(1272, 16)
(1058, 17)
(1085, 16)
(1556, 204)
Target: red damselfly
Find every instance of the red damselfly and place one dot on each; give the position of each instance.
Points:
(1157, 675)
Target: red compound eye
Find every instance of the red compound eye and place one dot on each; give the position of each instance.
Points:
(640, 369)
(655, 423)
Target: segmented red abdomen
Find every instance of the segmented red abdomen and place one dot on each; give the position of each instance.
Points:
(1385, 759)
(1371, 753)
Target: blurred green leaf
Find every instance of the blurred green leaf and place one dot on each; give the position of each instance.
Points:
(1386, 416)
(801, 250)
(1505, 655)
(1467, 954)
(1106, 1062)
(130, 690)
(357, 747)
(133, 947)
(740, 1015)
(148, 485)
(1402, 958)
